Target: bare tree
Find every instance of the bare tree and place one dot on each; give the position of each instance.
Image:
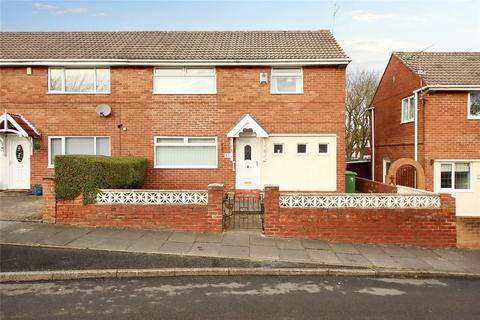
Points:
(361, 86)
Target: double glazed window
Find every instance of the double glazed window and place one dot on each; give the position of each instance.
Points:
(455, 176)
(408, 109)
(184, 81)
(79, 80)
(287, 80)
(474, 105)
(185, 152)
(77, 145)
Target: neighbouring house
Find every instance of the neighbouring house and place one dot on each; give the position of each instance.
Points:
(427, 108)
(244, 109)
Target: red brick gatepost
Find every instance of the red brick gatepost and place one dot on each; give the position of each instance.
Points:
(215, 206)
(49, 201)
(271, 209)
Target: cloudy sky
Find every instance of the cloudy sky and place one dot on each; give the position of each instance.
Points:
(367, 30)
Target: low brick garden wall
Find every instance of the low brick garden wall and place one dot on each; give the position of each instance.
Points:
(171, 210)
(434, 224)
(468, 232)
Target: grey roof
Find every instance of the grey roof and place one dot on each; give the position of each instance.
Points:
(171, 45)
(444, 68)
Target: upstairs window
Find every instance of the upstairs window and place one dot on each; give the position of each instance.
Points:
(287, 80)
(184, 81)
(474, 105)
(185, 152)
(79, 80)
(455, 176)
(408, 109)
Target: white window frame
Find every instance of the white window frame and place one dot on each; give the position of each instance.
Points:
(283, 149)
(306, 149)
(323, 153)
(50, 162)
(468, 106)
(80, 92)
(155, 90)
(452, 189)
(402, 120)
(272, 91)
(185, 143)
(384, 169)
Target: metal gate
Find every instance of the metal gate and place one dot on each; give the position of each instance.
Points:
(243, 211)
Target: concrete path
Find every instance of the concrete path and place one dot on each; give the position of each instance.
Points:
(242, 246)
(20, 206)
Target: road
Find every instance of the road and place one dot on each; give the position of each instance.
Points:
(243, 298)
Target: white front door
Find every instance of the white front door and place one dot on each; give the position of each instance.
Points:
(248, 163)
(18, 154)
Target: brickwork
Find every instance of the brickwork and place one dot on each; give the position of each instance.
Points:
(423, 227)
(145, 115)
(468, 232)
(181, 217)
(369, 186)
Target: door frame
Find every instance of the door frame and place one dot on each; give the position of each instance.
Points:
(14, 140)
(256, 147)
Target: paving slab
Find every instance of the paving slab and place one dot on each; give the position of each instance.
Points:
(264, 252)
(341, 247)
(316, 244)
(235, 251)
(323, 257)
(118, 234)
(175, 247)
(186, 237)
(86, 241)
(293, 255)
(111, 244)
(236, 239)
(412, 263)
(382, 260)
(441, 264)
(289, 244)
(354, 260)
(258, 240)
(405, 252)
(7, 224)
(205, 249)
(64, 237)
(147, 244)
(210, 237)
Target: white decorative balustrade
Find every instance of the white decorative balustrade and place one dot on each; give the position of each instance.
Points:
(359, 200)
(129, 196)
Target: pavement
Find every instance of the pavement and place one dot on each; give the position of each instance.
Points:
(246, 246)
(20, 206)
(242, 297)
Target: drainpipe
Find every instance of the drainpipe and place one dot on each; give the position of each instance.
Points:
(416, 126)
(372, 113)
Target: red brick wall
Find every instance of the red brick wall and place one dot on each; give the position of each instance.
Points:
(468, 232)
(369, 186)
(144, 115)
(424, 227)
(193, 217)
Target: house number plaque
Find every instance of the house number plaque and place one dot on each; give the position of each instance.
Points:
(19, 153)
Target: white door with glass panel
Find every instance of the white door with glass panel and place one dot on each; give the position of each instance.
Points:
(248, 163)
(18, 153)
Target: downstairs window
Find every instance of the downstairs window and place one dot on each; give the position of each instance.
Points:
(185, 152)
(77, 145)
(455, 176)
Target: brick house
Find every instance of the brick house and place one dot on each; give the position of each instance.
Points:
(244, 109)
(427, 108)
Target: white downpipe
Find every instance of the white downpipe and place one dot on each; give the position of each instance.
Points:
(372, 110)
(416, 127)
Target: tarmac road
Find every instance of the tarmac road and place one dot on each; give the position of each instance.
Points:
(247, 297)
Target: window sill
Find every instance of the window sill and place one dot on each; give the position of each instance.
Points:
(185, 94)
(473, 117)
(280, 93)
(192, 167)
(456, 190)
(79, 92)
(407, 121)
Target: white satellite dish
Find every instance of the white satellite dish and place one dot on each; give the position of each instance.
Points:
(103, 110)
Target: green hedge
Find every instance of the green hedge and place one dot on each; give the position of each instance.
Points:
(76, 174)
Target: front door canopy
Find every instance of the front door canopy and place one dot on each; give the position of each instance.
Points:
(17, 124)
(247, 122)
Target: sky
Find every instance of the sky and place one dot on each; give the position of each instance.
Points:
(367, 30)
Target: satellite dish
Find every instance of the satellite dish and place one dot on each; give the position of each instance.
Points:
(103, 110)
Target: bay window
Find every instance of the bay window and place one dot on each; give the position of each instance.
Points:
(79, 80)
(185, 152)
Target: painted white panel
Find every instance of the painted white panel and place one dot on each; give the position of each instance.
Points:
(467, 202)
(18, 166)
(293, 172)
(248, 163)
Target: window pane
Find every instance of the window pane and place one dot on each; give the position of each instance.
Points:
(201, 140)
(323, 148)
(56, 79)
(79, 145)
(79, 80)
(462, 176)
(278, 148)
(446, 176)
(188, 156)
(55, 148)
(184, 85)
(247, 152)
(475, 104)
(286, 84)
(170, 140)
(411, 111)
(103, 80)
(103, 146)
(200, 71)
(301, 148)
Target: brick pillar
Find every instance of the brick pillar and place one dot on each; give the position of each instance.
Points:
(49, 212)
(448, 206)
(272, 209)
(215, 206)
